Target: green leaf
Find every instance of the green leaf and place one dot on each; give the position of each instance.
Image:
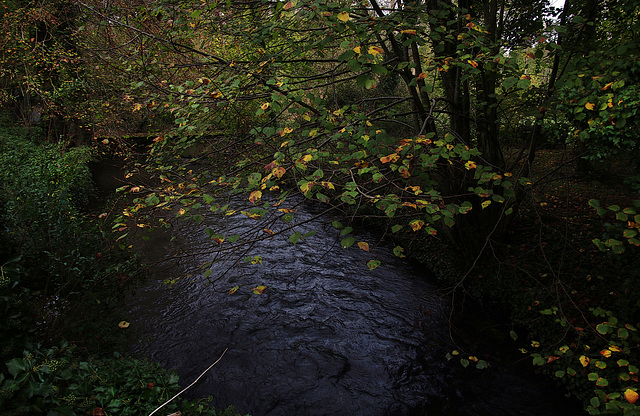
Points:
(482, 364)
(347, 242)
(346, 231)
(16, 366)
(295, 237)
(373, 264)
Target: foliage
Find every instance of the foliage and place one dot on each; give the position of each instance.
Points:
(57, 381)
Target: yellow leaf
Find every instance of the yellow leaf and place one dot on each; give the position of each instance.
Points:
(605, 353)
(631, 396)
(589, 106)
(374, 50)
(259, 289)
(124, 324)
(363, 245)
(416, 225)
(278, 172)
(255, 196)
(343, 16)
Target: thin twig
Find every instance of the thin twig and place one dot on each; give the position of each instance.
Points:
(190, 385)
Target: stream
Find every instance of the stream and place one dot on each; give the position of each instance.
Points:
(327, 336)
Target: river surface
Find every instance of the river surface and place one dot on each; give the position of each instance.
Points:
(326, 337)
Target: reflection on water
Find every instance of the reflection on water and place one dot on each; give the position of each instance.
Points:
(327, 336)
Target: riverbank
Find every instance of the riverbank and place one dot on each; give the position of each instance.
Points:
(62, 275)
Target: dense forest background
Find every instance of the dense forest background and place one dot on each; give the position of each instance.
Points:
(495, 141)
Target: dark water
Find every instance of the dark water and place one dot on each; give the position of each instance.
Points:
(327, 336)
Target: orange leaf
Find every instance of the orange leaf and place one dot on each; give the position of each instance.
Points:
(259, 289)
(363, 245)
(391, 158)
(631, 396)
(255, 196)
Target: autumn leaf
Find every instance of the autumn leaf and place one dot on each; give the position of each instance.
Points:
(344, 16)
(278, 172)
(363, 245)
(391, 158)
(124, 324)
(259, 289)
(416, 225)
(630, 396)
(373, 264)
(589, 106)
(255, 196)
